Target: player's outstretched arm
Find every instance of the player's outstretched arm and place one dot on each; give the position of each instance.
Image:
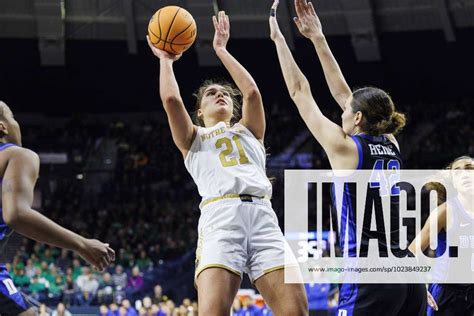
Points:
(17, 197)
(253, 114)
(182, 127)
(424, 236)
(327, 133)
(424, 239)
(309, 25)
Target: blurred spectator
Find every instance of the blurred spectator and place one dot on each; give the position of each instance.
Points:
(69, 290)
(47, 272)
(164, 310)
(157, 294)
(103, 310)
(87, 286)
(21, 279)
(195, 306)
(171, 306)
(29, 268)
(56, 289)
(155, 310)
(113, 310)
(130, 311)
(43, 310)
(248, 307)
(120, 277)
(187, 302)
(61, 311)
(63, 262)
(182, 311)
(47, 256)
(135, 284)
(105, 293)
(143, 262)
(37, 288)
(236, 307)
(147, 304)
(76, 269)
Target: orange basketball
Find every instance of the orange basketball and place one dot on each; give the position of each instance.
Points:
(172, 29)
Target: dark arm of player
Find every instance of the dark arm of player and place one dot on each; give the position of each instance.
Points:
(17, 197)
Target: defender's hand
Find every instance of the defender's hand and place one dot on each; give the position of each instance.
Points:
(308, 22)
(275, 32)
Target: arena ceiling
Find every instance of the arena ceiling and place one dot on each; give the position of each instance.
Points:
(54, 21)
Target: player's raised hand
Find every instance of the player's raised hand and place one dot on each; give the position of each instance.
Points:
(275, 32)
(161, 54)
(96, 253)
(307, 21)
(222, 30)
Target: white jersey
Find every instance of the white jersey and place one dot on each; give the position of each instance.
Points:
(228, 160)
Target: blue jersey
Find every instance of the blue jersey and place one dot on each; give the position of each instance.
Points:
(11, 300)
(5, 231)
(462, 229)
(455, 299)
(376, 153)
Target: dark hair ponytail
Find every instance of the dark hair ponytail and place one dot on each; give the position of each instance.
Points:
(391, 126)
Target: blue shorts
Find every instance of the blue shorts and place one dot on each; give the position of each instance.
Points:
(11, 300)
(452, 299)
(382, 299)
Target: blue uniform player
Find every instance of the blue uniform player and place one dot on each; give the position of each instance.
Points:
(19, 169)
(453, 299)
(11, 299)
(378, 153)
(364, 141)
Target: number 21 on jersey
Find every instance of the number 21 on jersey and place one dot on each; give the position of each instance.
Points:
(228, 147)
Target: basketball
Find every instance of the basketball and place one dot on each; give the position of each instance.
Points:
(172, 29)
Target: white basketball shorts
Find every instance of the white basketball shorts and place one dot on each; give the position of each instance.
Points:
(241, 237)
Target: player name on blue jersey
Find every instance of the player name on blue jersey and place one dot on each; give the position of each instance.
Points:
(377, 149)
